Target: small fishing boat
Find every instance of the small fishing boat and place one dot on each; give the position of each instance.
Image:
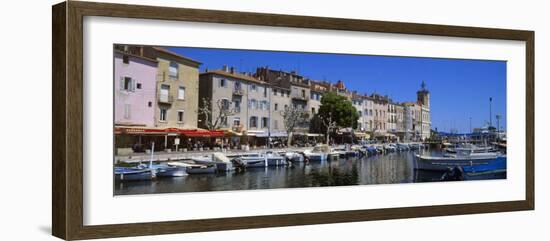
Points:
(390, 147)
(318, 153)
(251, 160)
(164, 170)
(133, 174)
(402, 146)
(463, 158)
(191, 167)
(493, 169)
(274, 159)
(340, 151)
(294, 156)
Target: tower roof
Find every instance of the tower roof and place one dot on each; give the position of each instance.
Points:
(423, 88)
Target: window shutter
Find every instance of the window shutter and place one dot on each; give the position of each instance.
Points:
(121, 83)
(133, 85)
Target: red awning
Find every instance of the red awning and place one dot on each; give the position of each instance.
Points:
(186, 132)
(202, 133)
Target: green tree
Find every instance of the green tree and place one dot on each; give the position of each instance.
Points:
(339, 109)
(335, 112)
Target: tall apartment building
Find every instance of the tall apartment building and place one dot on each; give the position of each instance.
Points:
(155, 99)
(177, 89)
(299, 87)
(248, 96)
(135, 86)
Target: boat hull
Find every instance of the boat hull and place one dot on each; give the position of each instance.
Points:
(316, 157)
(172, 172)
(276, 161)
(444, 164)
(134, 175)
(201, 170)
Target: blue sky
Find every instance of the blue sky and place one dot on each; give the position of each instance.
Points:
(460, 89)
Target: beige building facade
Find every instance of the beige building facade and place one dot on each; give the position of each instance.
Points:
(176, 90)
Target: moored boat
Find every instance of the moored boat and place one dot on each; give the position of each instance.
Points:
(461, 159)
(133, 174)
(318, 153)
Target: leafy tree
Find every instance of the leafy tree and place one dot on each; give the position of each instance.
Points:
(337, 109)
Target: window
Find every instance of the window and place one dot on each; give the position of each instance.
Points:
(163, 113)
(275, 92)
(126, 59)
(312, 110)
(223, 83)
(150, 104)
(225, 104)
(237, 105)
(237, 85)
(164, 95)
(236, 121)
(253, 104)
(312, 95)
(173, 70)
(253, 87)
(264, 122)
(275, 124)
(253, 122)
(180, 116)
(360, 113)
(276, 106)
(138, 86)
(303, 93)
(127, 111)
(127, 83)
(181, 93)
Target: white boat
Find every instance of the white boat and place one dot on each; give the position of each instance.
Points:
(402, 146)
(318, 153)
(165, 170)
(192, 167)
(222, 162)
(274, 159)
(390, 147)
(340, 151)
(294, 156)
(468, 146)
(461, 159)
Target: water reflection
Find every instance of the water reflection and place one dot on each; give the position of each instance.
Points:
(395, 167)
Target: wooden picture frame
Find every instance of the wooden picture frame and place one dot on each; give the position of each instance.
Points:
(67, 137)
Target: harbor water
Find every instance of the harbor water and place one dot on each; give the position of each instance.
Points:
(390, 168)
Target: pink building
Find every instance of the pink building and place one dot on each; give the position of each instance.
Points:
(135, 89)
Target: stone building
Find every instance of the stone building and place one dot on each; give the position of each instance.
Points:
(246, 96)
(177, 89)
(298, 85)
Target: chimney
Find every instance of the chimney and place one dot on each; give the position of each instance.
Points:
(225, 68)
(232, 70)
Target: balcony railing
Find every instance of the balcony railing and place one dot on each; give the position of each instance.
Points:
(165, 99)
(299, 97)
(238, 91)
